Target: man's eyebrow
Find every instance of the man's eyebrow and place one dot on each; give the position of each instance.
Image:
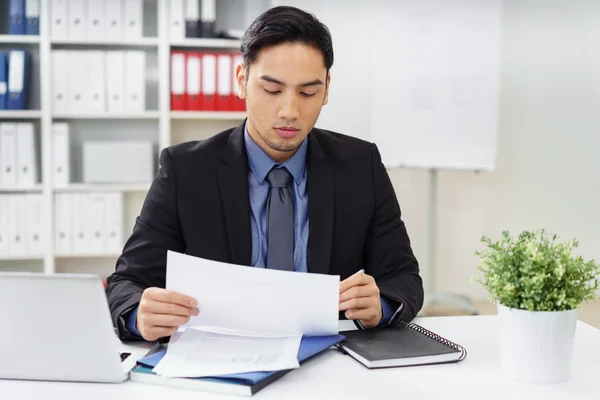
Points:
(273, 80)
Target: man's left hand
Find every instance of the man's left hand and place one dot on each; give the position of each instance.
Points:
(359, 297)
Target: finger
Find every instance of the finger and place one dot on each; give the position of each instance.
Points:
(168, 296)
(359, 291)
(363, 314)
(157, 332)
(358, 303)
(157, 307)
(153, 320)
(357, 279)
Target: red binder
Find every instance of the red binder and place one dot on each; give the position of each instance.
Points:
(193, 94)
(209, 81)
(178, 81)
(224, 84)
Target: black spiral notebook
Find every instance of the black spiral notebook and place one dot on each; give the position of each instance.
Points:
(405, 345)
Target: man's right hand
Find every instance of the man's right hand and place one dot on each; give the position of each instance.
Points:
(162, 311)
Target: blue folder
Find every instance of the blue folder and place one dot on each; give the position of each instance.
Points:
(3, 80)
(32, 20)
(18, 88)
(310, 346)
(16, 17)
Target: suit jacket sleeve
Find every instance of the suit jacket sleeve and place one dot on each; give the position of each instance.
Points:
(143, 261)
(388, 254)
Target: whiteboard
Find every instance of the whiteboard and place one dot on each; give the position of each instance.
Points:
(421, 78)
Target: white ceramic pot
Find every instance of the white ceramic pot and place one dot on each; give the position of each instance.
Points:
(536, 346)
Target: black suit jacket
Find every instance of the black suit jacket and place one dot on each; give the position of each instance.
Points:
(199, 204)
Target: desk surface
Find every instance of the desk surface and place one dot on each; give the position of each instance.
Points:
(333, 375)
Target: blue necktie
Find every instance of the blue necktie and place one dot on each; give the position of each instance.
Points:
(280, 221)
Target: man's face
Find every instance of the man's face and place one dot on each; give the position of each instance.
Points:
(286, 88)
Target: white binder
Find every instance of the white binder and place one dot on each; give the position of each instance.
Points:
(63, 234)
(96, 227)
(26, 159)
(96, 82)
(96, 20)
(4, 226)
(176, 19)
(79, 223)
(135, 82)
(114, 222)
(77, 18)
(17, 225)
(34, 218)
(60, 81)
(115, 84)
(114, 20)
(8, 154)
(134, 19)
(61, 168)
(78, 79)
(59, 20)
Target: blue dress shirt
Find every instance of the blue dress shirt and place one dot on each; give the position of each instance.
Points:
(260, 165)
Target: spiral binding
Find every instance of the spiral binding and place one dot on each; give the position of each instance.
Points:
(438, 338)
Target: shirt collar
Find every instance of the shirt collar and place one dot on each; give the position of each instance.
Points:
(261, 163)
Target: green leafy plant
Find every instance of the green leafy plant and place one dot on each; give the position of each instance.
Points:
(536, 272)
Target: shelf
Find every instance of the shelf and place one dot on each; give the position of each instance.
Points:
(87, 255)
(143, 42)
(98, 187)
(209, 115)
(32, 189)
(138, 115)
(208, 43)
(19, 39)
(20, 114)
(21, 258)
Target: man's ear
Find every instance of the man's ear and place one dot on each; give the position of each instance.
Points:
(326, 99)
(240, 76)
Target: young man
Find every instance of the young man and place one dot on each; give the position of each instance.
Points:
(275, 192)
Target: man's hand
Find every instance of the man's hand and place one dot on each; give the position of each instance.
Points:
(359, 297)
(162, 311)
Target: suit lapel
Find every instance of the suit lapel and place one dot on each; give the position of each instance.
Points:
(233, 184)
(320, 207)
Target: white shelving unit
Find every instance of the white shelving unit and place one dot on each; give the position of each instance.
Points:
(164, 126)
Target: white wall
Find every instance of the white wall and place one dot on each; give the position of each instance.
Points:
(548, 164)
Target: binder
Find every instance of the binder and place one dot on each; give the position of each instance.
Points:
(135, 82)
(34, 220)
(78, 75)
(4, 226)
(32, 15)
(77, 18)
(96, 82)
(224, 88)
(17, 228)
(61, 169)
(238, 104)
(193, 98)
(208, 18)
(114, 20)
(79, 223)
(96, 227)
(60, 80)
(58, 20)
(16, 21)
(27, 171)
(3, 80)
(96, 20)
(63, 234)
(114, 221)
(115, 84)
(178, 80)
(209, 82)
(176, 19)
(8, 154)
(134, 19)
(18, 79)
(192, 19)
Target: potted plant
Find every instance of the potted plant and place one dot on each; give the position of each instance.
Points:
(538, 284)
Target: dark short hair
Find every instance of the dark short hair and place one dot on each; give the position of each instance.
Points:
(286, 24)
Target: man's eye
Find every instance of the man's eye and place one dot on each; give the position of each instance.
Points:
(307, 94)
(272, 92)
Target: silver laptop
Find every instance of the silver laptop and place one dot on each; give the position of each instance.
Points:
(58, 327)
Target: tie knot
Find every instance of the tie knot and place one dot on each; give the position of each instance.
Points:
(279, 178)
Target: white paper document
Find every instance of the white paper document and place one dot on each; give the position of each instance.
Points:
(256, 300)
(196, 353)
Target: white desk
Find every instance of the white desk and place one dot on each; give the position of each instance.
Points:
(333, 375)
